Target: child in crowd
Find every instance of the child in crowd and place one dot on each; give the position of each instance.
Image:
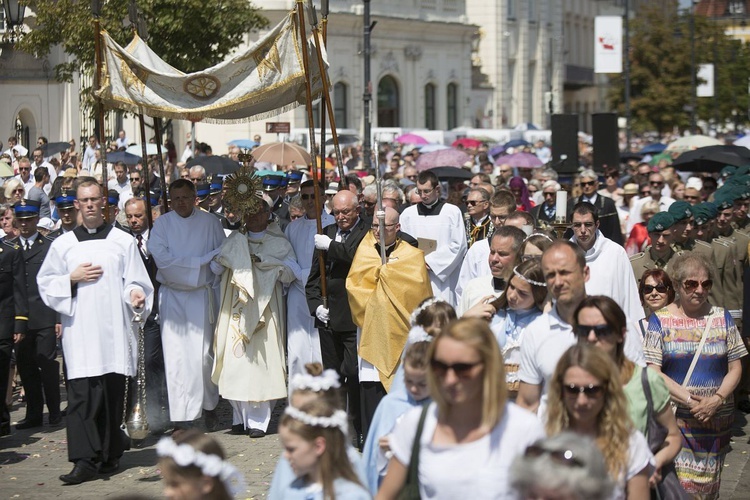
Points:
(315, 439)
(193, 466)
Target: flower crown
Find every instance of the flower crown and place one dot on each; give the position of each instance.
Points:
(327, 380)
(185, 455)
(528, 280)
(538, 234)
(427, 303)
(338, 419)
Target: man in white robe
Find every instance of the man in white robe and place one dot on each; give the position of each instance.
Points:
(303, 338)
(439, 227)
(95, 279)
(249, 368)
(182, 243)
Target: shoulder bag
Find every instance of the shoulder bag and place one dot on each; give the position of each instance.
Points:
(410, 491)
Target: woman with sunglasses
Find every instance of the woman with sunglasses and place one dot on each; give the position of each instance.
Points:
(586, 397)
(471, 435)
(656, 292)
(599, 321)
(697, 349)
(14, 191)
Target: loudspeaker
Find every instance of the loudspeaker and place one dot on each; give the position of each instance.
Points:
(606, 142)
(565, 143)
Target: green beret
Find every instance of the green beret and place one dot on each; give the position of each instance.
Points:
(704, 212)
(724, 197)
(728, 171)
(743, 170)
(660, 222)
(680, 210)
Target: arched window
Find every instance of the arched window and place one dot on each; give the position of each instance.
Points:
(340, 110)
(429, 107)
(388, 102)
(452, 101)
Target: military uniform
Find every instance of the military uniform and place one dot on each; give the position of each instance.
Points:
(645, 261)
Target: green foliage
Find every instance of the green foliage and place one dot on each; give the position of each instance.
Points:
(660, 68)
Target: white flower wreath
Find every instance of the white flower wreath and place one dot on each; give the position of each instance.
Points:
(185, 455)
(338, 419)
(427, 303)
(327, 380)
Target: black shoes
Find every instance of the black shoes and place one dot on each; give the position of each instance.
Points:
(28, 424)
(4, 430)
(109, 467)
(84, 470)
(744, 406)
(211, 420)
(55, 419)
(255, 433)
(237, 430)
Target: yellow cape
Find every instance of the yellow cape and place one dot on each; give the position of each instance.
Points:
(382, 297)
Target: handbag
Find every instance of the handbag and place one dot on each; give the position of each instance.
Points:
(410, 490)
(670, 486)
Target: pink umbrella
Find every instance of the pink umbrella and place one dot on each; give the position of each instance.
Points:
(410, 139)
(520, 160)
(467, 143)
(442, 158)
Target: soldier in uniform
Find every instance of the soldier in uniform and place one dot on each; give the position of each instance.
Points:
(14, 316)
(68, 214)
(202, 192)
(36, 354)
(725, 199)
(659, 253)
(216, 193)
(273, 186)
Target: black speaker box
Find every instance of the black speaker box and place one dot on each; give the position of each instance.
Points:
(606, 143)
(565, 143)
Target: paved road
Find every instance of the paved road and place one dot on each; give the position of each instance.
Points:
(30, 463)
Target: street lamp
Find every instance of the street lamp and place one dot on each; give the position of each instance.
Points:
(14, 12)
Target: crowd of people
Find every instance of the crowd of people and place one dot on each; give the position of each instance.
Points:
(486, 349)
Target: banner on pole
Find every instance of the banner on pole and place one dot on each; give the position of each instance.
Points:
(265, 80)
(706, 88)
(608, 44)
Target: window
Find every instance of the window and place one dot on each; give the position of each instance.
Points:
(388, 102)
(429, 107)
(452, 98)
(511, 9)
(339, 104)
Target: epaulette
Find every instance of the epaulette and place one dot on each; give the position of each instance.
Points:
(721, 242)
(701, 242)
(637, 256)
(11, 243)
(48, 238)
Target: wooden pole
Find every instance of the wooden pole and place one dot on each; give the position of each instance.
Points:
(100, 113)
(146, 174)
(314, 166)
(162, 172)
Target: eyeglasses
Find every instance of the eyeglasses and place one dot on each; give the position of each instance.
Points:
(135, 179)
(591, 391)
(24, 168)
(691, 197)
(561, 457)
(369, 203)
(462, 370)
(655, 183)
(587, 225)
(20, 190)
(471, 203)
(376, 227)
(691, 285)
(587, 183)
(545, 193)
(499, 218)
(661, 288)
(421, 192)
(505, 171)
(411, 177)
(599, 330)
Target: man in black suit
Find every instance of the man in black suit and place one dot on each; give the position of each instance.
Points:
(36, 354)
(14, 316)
(338, 333)
(609, 221)
(545, 213)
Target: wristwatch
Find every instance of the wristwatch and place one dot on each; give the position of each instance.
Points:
(723, 399)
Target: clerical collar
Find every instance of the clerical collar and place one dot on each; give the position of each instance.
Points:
(433, 209)
(499, 284)
(480, 221)
(388, 248)
(85, 234)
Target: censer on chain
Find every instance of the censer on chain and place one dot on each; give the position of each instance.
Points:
(135, 426)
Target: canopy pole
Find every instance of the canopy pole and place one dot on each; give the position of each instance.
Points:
(100, 109)
(314, 166)
(145, 173)
(162, 173)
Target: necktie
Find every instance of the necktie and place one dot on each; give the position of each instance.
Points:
(344, 235)
(139, 239)
(28, 245)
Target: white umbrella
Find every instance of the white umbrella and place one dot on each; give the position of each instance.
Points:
(137, 150)
(743, 141)
(429, 148)
(690, 142)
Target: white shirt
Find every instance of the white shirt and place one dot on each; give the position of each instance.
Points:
(475, 264)
(635, 213)
(476, 290)
(639, 458)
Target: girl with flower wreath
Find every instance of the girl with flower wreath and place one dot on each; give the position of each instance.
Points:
(315, 439)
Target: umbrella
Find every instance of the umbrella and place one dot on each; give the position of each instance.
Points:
(526, 126)
(429, 148)
(215, 165)
(743, 141)
(52, 148)
(452, 173)
(282, 153)
(654, 148)
(625, 156)
(443, 158)
(344, 139)
(5, 170)
(692, 142)
(496, 151)
(410, 139)
(244, 143)
(666, 155)
(516, 143)
(708, 159)
(521, 160)
(123, 156)
(137, 150)
(467, 143)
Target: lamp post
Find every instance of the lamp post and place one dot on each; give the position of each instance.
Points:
(14, 13)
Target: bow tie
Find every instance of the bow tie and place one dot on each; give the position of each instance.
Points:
(499, 284)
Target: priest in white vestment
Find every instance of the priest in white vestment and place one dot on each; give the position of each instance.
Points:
(439, 228)
(249, 367)
(303, 338)
(95, 279)
(183, 242)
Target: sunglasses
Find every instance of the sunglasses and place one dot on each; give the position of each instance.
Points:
(589, 183)
(599, 330)
(561, 457)
(691, 197)
(656, 183)
(471, 203)
(369, 203)
(462, 370)
(692, 285)
(591, 390)
(661, 288)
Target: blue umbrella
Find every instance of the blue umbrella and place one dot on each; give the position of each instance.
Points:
(496, 151)
(123, 156)
(516, 143)
(654, 148)
(244, 143)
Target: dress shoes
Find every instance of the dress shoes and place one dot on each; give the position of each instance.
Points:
(28, 424)
(237, 430)
(84, 470)
(112, 465)
(55, 419)
(255, 433)
(5, 430)
(211, 420)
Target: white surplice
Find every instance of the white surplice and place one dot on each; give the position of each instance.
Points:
(447, 228)
(188, 304)
(303, 339)
(98, 333)
(475, 264)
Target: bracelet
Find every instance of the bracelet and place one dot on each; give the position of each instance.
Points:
(723, 399)
(689, 399)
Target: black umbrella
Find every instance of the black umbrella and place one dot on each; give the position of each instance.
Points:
(52, 148)
(124, 157)
(215, 165)
(626, 156)
(452, 173)
(708, 159)
(344, 139)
